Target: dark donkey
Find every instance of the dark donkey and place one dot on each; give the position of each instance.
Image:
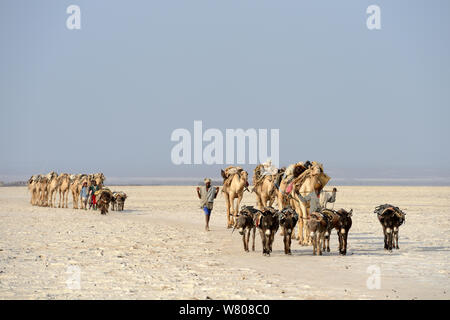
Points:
(288, 219)
(267, 223)
(340, 220)
(391, 218)
(245, 223)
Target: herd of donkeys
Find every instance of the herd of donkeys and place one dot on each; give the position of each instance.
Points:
(269, 220)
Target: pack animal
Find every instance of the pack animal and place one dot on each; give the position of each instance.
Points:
(104, 198)
(118, 201)
(245, 223)
(391, 218)
(317, 225)
(340, 220)
(288, 220)
(267, 222)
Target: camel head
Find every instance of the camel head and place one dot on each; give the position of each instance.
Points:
(99, 178)
(316, 168)
(51, 175)
(244, 175)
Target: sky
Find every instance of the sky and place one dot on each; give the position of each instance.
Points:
(365, 103)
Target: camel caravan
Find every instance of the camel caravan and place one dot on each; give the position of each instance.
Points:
(86, 189)
(295, 191)
(301, 200)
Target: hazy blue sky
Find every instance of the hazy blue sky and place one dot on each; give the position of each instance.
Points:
(107, 97)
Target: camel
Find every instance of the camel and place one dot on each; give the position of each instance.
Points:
(52, 188)
(42, 191)
(264, 177)
(64, 184)
(233, 188)
(312, 179)
(265, 192)
(32, 187)
(75, 186)
(99, 178)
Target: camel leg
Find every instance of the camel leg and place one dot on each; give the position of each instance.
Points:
(75, 199)
(228, 205)
(307, 238)
(300, 208)
(264, 200)
(56, 194)
(46, 199)
(271, 201)
(232, 212)
(259, 203)
(53, 197)
(238, 204)
(280, 200)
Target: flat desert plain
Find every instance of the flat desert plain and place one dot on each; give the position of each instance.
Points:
(157, 249)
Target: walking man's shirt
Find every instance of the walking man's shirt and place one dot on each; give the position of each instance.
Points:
(207, 198)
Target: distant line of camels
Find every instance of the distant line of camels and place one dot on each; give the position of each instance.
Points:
(44, 188)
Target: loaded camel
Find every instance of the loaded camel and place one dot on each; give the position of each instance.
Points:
(33, 188)
(52, 189)
(64, 185)
(312, 178)
(234, 184)
(264, 185)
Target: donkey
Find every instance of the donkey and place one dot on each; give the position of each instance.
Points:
(318, 225)
(118, 201)
(391, 218)
(267, 222)
(341, 221)
(245, 223)
(103, 200)
(288, 219)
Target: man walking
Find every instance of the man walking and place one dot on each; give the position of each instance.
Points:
(207, 194)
